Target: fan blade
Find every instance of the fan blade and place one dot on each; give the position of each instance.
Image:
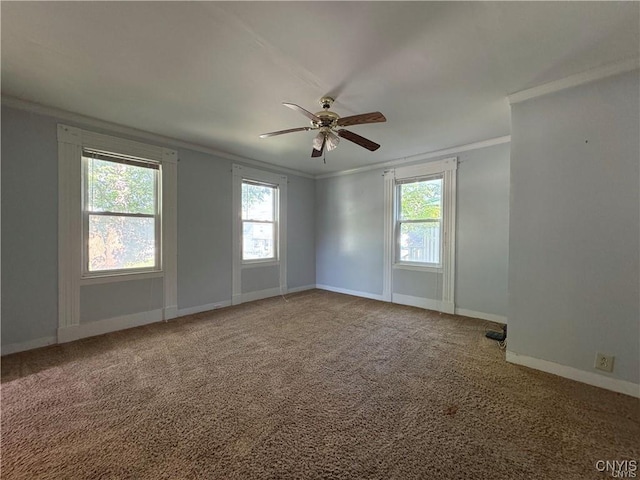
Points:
(306, 113)
(372, 117)
(318, 153)
(280, 132)
(363, 142)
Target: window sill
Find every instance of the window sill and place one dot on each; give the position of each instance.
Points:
(417, 268)
(119, 277)
(260, 263)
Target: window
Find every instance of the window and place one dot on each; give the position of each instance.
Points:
(419, 221)
(420, 233)
(259, 225)
(259, 235)
(121, 214)
(117, 222)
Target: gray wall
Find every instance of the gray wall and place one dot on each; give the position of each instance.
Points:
(417, 284)
(204, 229)
(350, 233)
(29, 227)
(256, 278)
(482, 235)
(574, 227)
(29, 234)
(301, 238)
(204, 232)
(135, 296)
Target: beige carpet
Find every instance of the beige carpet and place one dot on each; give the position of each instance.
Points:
(321, 386)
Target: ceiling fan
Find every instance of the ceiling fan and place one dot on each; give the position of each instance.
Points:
(327, 122)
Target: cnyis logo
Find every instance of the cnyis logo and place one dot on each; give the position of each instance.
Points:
(618, 468)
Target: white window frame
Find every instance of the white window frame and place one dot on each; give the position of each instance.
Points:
(447, 168)
(72, 141)
(240, 266)
(157, 216)
(399, 263)
(275, 223)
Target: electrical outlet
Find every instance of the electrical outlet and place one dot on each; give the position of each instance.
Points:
(604, 362)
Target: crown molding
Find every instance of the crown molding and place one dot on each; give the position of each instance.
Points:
(576, 80)
(421, 156)
(83, 120)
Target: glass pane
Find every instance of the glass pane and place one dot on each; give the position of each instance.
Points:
(420, 242)
(120, 188)
(421, 200)
(257, 240)
(257, 202)
(117, 243)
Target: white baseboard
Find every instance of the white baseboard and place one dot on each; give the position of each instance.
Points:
(448, 307)
(420, 302)
(484, 316)
(372, 296)
(203, 308)
(245, 297)
(301, 289)
(426, 303)
(28, 345)
(260, 294)
(170, 312)
(75, 332)
(590, 378)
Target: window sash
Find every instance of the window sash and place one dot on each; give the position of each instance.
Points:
(274, 200)
(87, 213)
(425, 220)
(121, 214)
(399, 222)
(274, 230)
(118, 159)
(247, 219)
(407, 181)
(399, 248)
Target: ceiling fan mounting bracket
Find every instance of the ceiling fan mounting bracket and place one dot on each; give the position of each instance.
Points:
(326, 102)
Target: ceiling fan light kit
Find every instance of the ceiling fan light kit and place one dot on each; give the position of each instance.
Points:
(327, 122)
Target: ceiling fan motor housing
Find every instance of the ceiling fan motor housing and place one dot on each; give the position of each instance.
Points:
(327, 117)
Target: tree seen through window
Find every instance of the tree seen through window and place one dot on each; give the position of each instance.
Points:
(419, 223)
(121, 214)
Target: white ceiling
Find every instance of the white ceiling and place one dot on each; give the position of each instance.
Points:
(215, 73)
